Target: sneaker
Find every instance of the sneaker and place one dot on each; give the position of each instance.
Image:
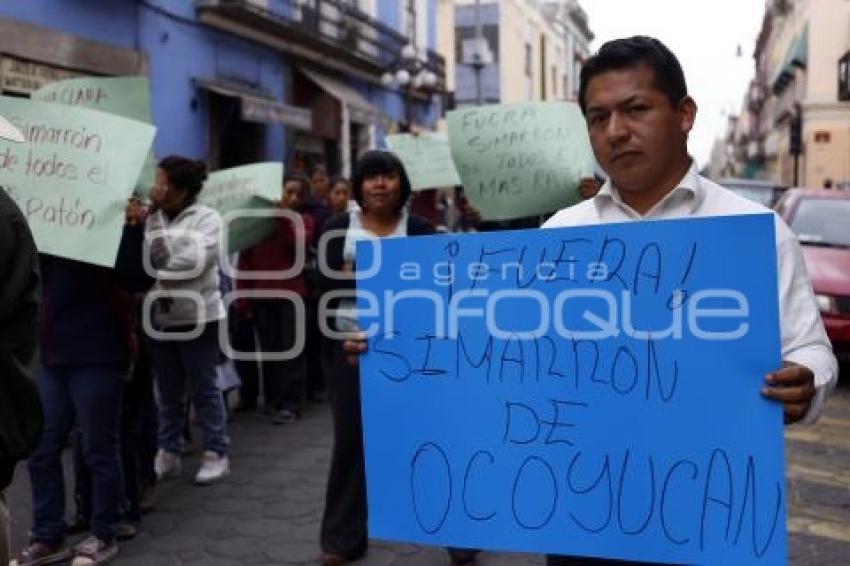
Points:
(214, 466)
(167, 465)
(126, 531)
(92, 551)
(38, 553)
(285, 416)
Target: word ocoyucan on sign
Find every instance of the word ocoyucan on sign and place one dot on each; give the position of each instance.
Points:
(590, 391)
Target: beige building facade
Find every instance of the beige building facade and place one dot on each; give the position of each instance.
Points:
(796, 92)
(826, 123)
(534, 49)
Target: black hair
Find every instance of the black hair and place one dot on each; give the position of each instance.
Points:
(301, 179)
(337, 180)
(379, 162)
(631, 52)
(319, 168)
(185, 174)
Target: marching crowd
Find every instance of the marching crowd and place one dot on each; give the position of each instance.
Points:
(115, 380)
(131, 356)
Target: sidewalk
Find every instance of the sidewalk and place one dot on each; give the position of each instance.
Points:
(268, 510)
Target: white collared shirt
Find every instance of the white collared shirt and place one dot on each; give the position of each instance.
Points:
(804, 340)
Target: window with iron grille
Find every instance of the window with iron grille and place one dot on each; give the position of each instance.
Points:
(490, 33)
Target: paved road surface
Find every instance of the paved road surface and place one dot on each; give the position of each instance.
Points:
(268, 510)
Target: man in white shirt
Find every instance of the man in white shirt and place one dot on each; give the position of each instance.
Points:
(639, 114)
(634, 96)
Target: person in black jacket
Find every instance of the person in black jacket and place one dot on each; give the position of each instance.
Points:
(87, 346)
(20, 406)
(381, 188)
(317, 207)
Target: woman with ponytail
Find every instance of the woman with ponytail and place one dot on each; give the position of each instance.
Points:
(184, 239)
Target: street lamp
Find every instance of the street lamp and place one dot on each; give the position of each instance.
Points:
(409, 72)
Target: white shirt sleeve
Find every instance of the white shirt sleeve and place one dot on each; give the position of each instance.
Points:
(804, 340)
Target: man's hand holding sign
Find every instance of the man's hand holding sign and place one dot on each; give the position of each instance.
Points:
(794, 387)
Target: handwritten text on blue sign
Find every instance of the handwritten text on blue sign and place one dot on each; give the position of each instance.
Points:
(589, 391)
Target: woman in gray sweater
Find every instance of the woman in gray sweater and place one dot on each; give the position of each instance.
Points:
(183, 241)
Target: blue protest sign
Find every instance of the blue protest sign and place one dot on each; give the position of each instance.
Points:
(590, 391)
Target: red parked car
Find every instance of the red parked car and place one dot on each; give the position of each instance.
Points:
(821, 220)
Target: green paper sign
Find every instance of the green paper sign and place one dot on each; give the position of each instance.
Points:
(427, 159)
(123, 96)
(246, 188)
(518, 160)
(73, 175)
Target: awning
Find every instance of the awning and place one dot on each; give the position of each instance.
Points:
(360, 109)
(258, 107)
(753, 170)
(796, 56)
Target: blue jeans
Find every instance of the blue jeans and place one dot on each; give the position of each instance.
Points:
(182, 365)
(92, 394)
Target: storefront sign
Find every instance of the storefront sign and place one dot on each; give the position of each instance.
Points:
(268, 112)
(24, 77)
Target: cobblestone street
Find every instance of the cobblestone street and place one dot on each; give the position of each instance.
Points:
(268, 510)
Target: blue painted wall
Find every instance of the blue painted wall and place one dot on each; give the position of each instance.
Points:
(391, 100)
(432, 24)
(179, 50)
(389, 12)
(113, 22)
(179, 108)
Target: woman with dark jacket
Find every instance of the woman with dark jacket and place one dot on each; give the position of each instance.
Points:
(87, 346)
(276, 319)
(381, 188)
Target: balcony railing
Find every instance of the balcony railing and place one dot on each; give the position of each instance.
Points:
(329, 28)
